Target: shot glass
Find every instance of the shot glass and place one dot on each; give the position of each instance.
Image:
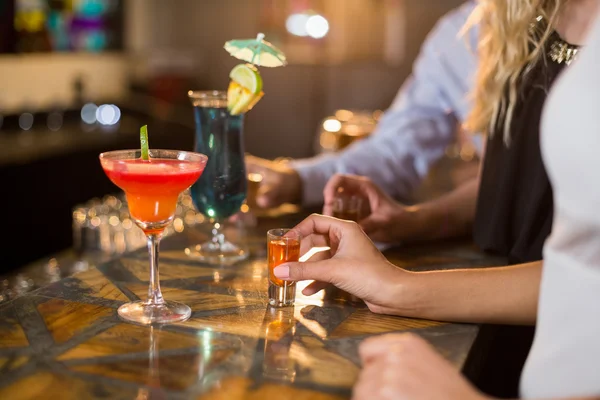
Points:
(347, 207)
(283, 245)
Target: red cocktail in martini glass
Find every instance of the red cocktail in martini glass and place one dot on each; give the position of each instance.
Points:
(152, 188)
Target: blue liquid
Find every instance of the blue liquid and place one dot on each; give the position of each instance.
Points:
(221, 190)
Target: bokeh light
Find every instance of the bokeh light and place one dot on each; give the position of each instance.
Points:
(108, 114)
(296, 24)
(26, 121)
(88, 113)
(54, 121)
(317, 26)
(344, 115)
(332, 125)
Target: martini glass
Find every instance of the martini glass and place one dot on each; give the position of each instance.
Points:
(152, 189)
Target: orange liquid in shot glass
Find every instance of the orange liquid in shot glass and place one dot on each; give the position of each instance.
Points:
(281, 251)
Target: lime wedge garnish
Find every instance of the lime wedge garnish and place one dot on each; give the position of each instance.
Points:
(144, 142)
(247, 76)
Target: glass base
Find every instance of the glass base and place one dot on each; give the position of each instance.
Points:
(282, 296)
(144, 313)
(225, 253)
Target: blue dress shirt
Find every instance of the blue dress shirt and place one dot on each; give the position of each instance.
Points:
(421, 122)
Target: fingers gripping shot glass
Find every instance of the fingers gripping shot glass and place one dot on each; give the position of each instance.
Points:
(283, 245)
(152, 181)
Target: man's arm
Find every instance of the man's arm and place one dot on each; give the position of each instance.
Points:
(450, 215)
(419, 125)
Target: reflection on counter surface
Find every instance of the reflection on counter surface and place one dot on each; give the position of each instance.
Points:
(234, 345)
(279, 364)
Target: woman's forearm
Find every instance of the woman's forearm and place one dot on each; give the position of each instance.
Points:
(505, 295)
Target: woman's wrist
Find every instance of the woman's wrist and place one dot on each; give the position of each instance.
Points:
(405, 293)
(417, 294)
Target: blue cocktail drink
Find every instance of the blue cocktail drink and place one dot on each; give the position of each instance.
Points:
(221, 190)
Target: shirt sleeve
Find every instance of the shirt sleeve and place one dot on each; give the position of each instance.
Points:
(415, 131)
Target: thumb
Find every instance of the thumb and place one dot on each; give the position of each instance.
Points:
(267, 196)
(370, 224)
(377, 230)
(264, 201)
(254, 164)
(324, 271)
(253, 168)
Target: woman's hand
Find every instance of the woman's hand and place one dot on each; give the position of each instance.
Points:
(406, 367)
(352, 264)
(383, 219)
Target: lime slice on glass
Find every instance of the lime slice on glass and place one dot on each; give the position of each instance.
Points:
(144, 142)
(247, 76)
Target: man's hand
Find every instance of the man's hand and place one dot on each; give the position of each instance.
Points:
(280, 183)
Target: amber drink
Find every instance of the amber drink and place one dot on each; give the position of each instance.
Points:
(283, 245)
(347, 207)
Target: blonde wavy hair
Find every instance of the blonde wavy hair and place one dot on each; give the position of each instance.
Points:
(506, 40)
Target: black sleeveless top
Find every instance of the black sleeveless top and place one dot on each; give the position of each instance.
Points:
(515, 205)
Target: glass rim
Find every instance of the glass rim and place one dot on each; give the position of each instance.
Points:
(348, 198)
(131, 154)
(281, 233)
(208, 98)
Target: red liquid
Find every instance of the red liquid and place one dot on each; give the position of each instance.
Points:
(152, 187)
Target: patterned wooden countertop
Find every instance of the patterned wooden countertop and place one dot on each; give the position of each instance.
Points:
(66, 341)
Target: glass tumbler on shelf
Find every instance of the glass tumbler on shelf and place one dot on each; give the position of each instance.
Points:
(221, 190)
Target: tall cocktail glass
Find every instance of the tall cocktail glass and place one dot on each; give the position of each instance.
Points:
(221, 190)
(152, 189)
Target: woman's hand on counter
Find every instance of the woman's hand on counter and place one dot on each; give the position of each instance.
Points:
(406, 367)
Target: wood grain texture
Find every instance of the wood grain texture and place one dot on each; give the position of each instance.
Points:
(66, 340)
(64, 319)
(95, 284)
(363, 322)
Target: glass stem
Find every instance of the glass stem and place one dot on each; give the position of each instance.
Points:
(218, 238)
(154, 294)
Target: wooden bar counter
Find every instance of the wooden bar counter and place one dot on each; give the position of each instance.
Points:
(65, 340)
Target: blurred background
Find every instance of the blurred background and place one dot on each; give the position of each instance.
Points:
(78, 77)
